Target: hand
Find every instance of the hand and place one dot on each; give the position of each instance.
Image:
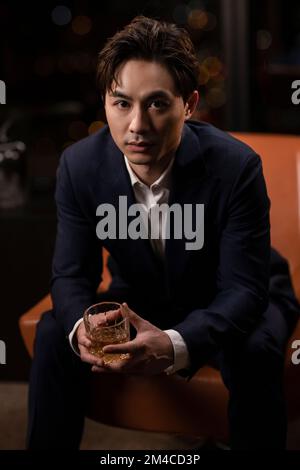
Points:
(151, 351)
(84, 344)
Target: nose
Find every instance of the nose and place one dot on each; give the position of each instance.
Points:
(139, 121)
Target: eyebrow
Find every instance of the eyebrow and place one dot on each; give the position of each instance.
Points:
(153, 94)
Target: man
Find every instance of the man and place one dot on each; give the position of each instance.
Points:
(190, 306)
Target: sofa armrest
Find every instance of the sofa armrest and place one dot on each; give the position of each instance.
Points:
(29, 320)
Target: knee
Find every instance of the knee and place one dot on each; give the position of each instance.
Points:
(53, 355)
(256, 365)
(262, 352)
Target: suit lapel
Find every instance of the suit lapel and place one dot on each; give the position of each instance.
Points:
(113, 182)
(188, 182)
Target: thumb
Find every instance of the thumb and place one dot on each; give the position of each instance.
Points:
(133, 317)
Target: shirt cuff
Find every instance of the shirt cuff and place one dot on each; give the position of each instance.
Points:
(72, 339)
(181, 354)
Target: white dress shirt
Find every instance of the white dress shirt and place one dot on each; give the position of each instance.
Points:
(149, 197)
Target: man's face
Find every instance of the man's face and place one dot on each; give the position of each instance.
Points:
(144, 112)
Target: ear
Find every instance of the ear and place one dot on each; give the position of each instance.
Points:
(191, 104)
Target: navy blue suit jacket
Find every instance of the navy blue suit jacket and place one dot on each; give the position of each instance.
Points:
(211, 296)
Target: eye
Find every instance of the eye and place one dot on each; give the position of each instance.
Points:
(159, 104)
(121, 104)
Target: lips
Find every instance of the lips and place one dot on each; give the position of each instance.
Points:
(138, 146)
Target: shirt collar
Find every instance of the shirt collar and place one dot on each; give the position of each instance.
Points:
(163, 181)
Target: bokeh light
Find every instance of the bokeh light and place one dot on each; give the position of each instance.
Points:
(95, 126)
(215, 97)
(11, 154)
(82, 25)
(213, 65)
(203, 75)
(219, 79)
(20, 146)
(197, 19)
(61, 15)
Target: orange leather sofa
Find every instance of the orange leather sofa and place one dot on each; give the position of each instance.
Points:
(198, 408)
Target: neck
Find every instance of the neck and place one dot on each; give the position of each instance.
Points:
(150, 173)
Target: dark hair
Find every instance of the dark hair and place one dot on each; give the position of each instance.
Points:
(151, 40)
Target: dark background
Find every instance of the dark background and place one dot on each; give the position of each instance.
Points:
(250, 54)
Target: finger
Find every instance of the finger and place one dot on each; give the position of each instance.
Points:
(84, 341)
(112, 367)
(131, 347)
(107, 318)
(82, 337)
(113, 315)
(102, 370)
(133, 317)
(116, 366)
(86, 356)
(126, 366)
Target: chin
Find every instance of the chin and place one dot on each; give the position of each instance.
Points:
(139, 158)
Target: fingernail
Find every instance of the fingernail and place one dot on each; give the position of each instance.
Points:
(109, 351)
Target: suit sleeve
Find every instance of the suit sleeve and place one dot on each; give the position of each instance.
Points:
(77, 261)
(243, 270)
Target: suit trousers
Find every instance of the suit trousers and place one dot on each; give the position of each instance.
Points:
(251, 370)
